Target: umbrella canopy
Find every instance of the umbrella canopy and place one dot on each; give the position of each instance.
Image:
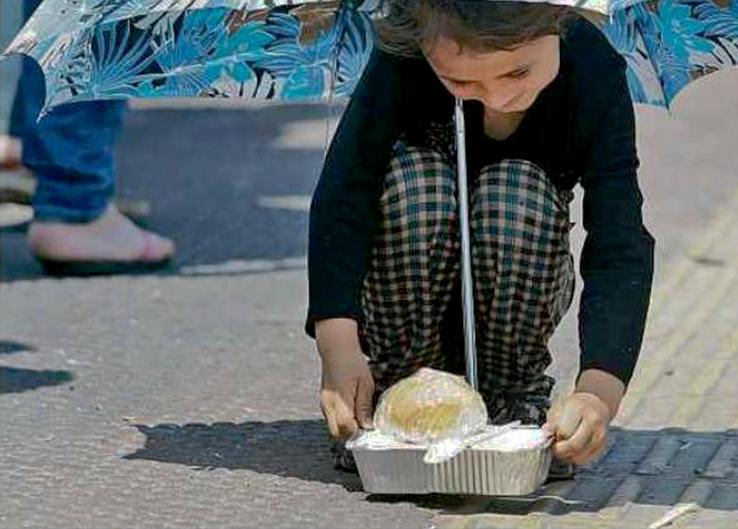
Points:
(261, 49)
(314, 49)
(670, 43)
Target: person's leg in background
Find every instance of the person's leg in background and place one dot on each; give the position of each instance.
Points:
(76, 229)
(10, 151)
(10, 18)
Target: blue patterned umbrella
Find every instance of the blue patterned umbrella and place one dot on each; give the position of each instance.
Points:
(670, 43)
(315, 49)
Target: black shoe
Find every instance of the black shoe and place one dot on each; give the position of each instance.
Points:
(343, 459)
(560, 470)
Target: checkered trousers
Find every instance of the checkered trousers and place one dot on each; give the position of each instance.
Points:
(523, 277)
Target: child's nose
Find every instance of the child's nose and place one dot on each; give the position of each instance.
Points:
(499, 100)
(466, 92)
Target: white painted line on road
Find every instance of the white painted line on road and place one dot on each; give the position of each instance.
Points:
(289, 202)
(307, 133)
(15, 215)
(242, 266)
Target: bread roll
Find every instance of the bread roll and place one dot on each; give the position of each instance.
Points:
(430, 406)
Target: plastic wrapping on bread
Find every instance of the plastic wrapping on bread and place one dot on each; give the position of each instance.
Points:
(432, 408)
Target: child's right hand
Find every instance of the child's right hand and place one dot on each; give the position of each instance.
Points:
(347, 386)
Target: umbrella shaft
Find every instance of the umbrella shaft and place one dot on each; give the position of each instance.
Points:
(467, 284)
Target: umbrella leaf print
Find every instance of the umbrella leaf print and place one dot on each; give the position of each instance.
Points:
(353, 55)
(720, 30)
(121, 9)
(718, 21)
(184, 56)
(665, 48)
(244, 45)
(624, 35)
(303, 70)
(105, 66)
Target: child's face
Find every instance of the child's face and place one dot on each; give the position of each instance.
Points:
(504, 81)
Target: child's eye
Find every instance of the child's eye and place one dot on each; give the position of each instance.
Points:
(519, 74)
(461, 84)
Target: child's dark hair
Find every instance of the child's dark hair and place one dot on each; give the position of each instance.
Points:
(480, 25)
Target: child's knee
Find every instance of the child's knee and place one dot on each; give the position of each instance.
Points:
(515, 205)
(419, 191)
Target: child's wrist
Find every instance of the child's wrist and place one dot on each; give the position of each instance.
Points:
(603, 385)
(337, 336)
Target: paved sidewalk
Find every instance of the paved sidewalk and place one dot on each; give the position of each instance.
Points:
(188, 400)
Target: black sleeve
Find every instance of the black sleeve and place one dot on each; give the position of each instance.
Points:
(617, 259)
(345, 206)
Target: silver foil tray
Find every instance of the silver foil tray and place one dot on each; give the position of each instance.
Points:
(483, 471)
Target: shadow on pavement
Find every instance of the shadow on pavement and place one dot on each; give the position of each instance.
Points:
(663, 467)
(10, 347)
(296, 448)
(16, 380)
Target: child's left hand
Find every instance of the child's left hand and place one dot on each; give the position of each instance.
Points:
(579, 428)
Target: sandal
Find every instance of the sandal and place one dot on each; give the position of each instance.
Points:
(16, 186)
(84, 268)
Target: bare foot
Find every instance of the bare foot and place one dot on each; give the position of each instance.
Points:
(10, 152)
(111, 238)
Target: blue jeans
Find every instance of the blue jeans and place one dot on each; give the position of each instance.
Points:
(70, 151)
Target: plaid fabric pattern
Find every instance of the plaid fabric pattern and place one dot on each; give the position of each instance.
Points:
(524, 282)
(414, 262)
(523, 269)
